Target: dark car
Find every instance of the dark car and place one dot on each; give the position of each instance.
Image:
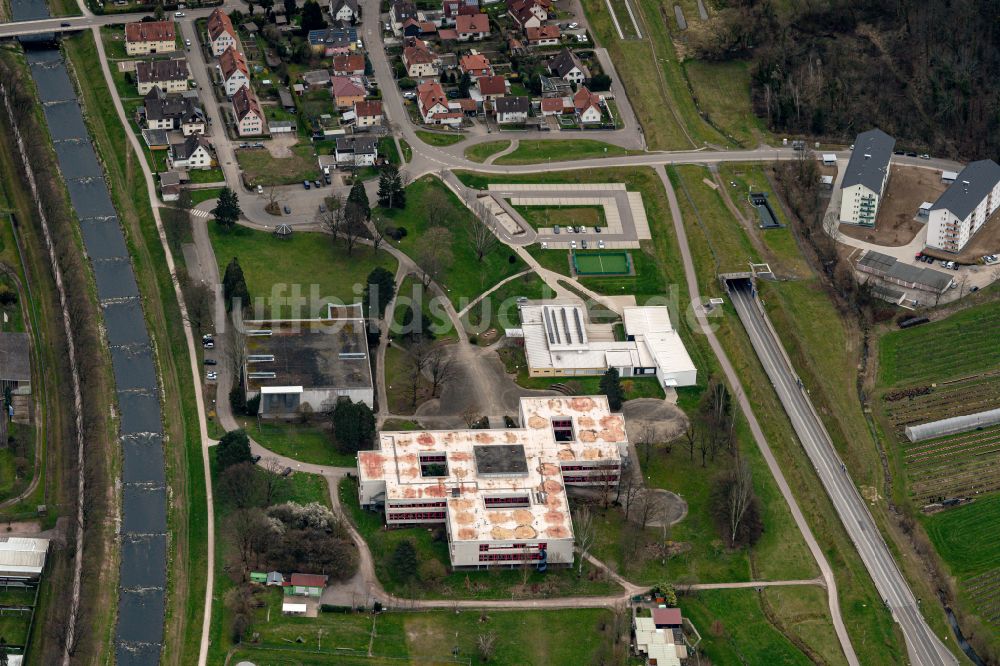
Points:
(288, 211)
(211, 361)
(911, 154)
(255, 459)
(597, 230)
(64, 24)
(318, 183)
(286, 471)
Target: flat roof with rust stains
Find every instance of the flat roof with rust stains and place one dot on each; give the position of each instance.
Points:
(597, 434)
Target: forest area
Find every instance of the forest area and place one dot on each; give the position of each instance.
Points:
(927, 73)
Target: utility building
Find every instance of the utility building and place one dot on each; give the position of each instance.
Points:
(865, 178)
(501, 494)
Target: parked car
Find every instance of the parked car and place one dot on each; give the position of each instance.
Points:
(925, 156)
(919, 256)
(64, 24)
(583, 244)
(208, 345)
(974, 289)
(572, 244)
(306, 184)
(574, 25)
(911, 154)
(211, 376)
(179, 14)
(286, 471)
(600, 244)
(255, 459)
(898, 152)
(288, 211)
(555, 229)
(187, 43)
(597, 229)
(322, 208)
(990, 259)
(211, 361)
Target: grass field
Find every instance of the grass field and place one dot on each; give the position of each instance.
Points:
(551, 150)
(722, 91)
(306, 265)
(480, 152)
(499, 309)
(487, 584)
(948, 348)
(407, 150)
(524, 637)
(466, 277)
(263, 169)
(439, 138)
(549, 216)
(198, 196)
(305, 442)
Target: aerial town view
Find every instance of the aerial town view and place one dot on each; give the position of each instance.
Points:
(512, 332)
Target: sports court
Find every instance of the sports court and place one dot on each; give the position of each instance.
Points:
(602, 263)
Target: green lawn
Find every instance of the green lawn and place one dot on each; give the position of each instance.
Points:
(387, 149)
(524, 637)
(198, 196)
(549, 216)
(398, 381)
(439, 138)
(481, 151)
(407, 151)
(307, 266)
(966, 537)
(199, 176)
(11, 316)
(432, 545)
(499, 309)
(735, 631)
(263, 169)
(722, 90)
(467, 277)
(11, 483)
(305, 442)
(552, 150)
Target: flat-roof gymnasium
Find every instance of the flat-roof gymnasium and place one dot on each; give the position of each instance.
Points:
(298, 365)
(500, 493)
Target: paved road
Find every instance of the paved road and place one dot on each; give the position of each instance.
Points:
(923, 646)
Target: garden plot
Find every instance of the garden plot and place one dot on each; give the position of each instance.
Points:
(984, 592)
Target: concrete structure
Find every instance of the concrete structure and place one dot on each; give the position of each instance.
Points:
(145, 37)
(864, 180)
(302, 366)
(234, 71)
(964, 207)
(501, 494)
(560, 341)
(221, 34)
(249, 116)
(22, 559)
(169, 112)
(305, 585)
(195, 152)
(344, 10)
(168, 75)
(15, 363)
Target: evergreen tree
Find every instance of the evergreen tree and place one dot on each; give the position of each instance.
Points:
(359, 198)
(233, 449)
(464, 84)
(290, 8)
(404, 560)
(611, 386)
(312, 16)
(234, 286)
(380, 289)
(227, 210)
(353, 425)
(391, 193)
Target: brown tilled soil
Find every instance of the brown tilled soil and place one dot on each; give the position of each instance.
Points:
(896, 224)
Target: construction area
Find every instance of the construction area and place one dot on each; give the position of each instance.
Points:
(898, 221)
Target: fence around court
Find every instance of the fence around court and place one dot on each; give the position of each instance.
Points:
(952, 425)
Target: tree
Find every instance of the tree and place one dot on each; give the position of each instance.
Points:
(735, 505)
(250, 531)
(482, 235)
(645, 441)
(611, 386)
(441, 367)
(486, 645)
(433, 253)
(600, 83)
(266, 5)
(391, 193)
(3, 651)
(404, 560)
(691, 437)
(379, 229)
(312, 17)
(232, 449)
(240, 603)
(359, 197)
(290, 8)
(464, 84)
(585, 534)
(353, 227)
(234, 287)
(379, 290)
(353, 425)
(227, 209)
(332, 219)
(420, 357)
(717, 414)
(241, 485)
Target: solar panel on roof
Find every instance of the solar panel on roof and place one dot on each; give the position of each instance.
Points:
(565, 320)
(579, 325)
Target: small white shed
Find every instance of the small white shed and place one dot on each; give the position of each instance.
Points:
(293, 609)
(829, 159)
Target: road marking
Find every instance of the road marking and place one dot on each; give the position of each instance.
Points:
(200, 213)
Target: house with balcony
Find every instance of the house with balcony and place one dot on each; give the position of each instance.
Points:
(964, 207)
(865, 178)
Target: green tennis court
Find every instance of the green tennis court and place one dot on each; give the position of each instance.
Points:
(602, 263)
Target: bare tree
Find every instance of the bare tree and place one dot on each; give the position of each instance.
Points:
(471, 415)
(272, 483)
(645, 441)
(439, 210)
(379, 224)
(333, 219)
(242, 485)
(482, 235)
(740, 495)
(691, 437)
(420, 356)
(441, 367)
(648, 505)
(629, 490)
(585, 534)
(433, 253)
(486, 645)
(354, 225)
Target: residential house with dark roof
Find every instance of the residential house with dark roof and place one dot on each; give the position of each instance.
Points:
(472, 27)
(568, 67)
(527, 13)
(162, 111)
(511, 109)
(145, 37)
(249, 116)
(865, 178)
(356, 150)
(964, 207)
(399, 13)
(194, 152)
(234, 71)
(333, 41)
(221, 34)
(167, 75)
(555, 87)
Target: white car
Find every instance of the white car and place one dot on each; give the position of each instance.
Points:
(179, 14)
(211, 376)
(187, 42)
(600, 244)
(574, 26)
(572, 244)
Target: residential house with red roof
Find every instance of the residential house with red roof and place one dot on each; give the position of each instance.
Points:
(249, 116)
(491, 87)
(587, 106)
(349, 65)
(346, 91)
(235, 74)
(472, 27)
(433, 105)
(367, 113)
(145, 37)
(419, 61)
(546, 35)
(221, 34)
(475, 65)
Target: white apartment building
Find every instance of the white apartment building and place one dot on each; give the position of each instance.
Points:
(501, 494)
(964, 207)
(249, 116)
(234, 71)
(864, 180)
(145, 37)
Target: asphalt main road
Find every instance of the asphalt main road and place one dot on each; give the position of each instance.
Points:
(923, 645)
